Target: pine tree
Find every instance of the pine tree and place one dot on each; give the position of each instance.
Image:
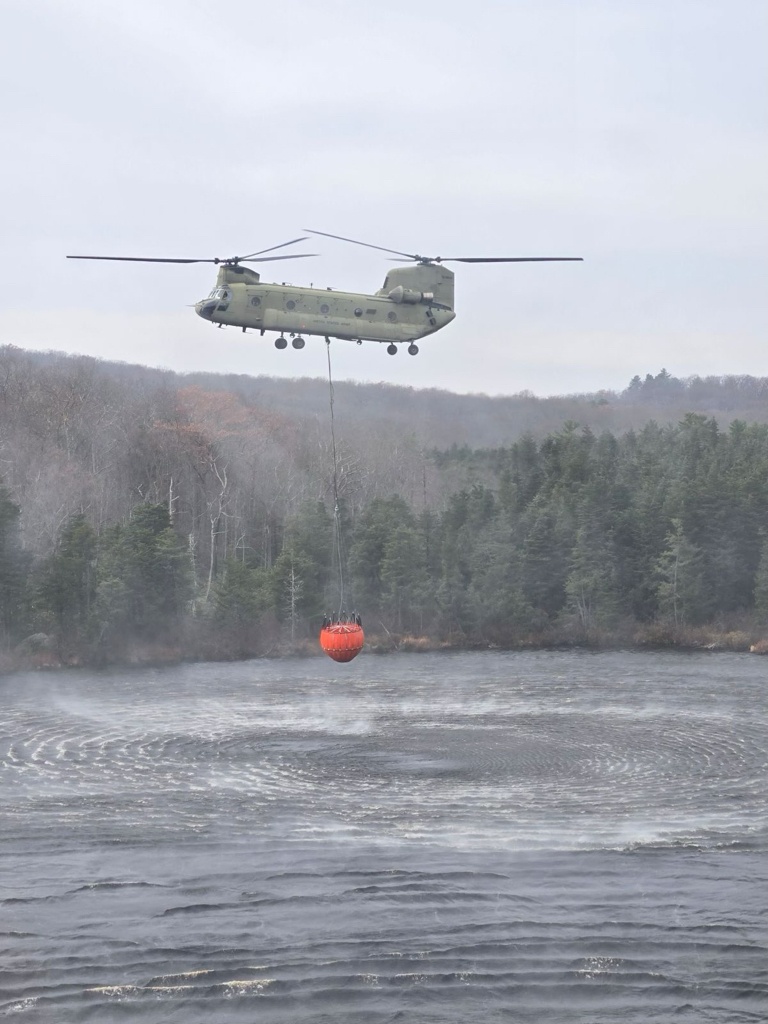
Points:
(680, 590)
(546, 549)
(371, 537)
(14, 566)
(309, 542)
(67, 583)
(761, 582)
(145, 579)
(497, 608)
(590, 586)
(405, 590)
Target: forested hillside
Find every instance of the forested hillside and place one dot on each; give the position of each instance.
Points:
(149, 514)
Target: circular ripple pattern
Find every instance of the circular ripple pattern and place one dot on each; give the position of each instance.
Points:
(440, 837)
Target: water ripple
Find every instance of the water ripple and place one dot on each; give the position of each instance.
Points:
(427, 838)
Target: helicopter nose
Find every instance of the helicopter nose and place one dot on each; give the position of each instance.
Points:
(205, 308)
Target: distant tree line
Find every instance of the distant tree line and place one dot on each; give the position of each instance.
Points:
(575, 537)
(741, 394)
(141, 508)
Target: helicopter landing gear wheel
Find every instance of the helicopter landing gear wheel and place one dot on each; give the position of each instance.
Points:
(298, 342)
(413, 350)
(281, 342)
(392, 349)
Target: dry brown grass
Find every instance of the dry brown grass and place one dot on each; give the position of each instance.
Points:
(417, 644)
(707, 638)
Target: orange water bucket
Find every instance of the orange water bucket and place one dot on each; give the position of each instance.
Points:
(342, 641)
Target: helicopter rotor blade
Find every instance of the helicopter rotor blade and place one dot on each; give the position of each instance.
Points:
(271, 259)
(491, 259)
(273, 247)
(381, 248)
(233, 260)
(509, 259)
(410, 257)
(140, 259)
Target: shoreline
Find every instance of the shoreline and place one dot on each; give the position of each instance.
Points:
(44, 656)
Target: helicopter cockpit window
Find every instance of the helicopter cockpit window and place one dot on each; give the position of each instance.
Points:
(223, 295)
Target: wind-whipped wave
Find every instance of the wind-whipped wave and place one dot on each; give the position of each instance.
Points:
(437, 838)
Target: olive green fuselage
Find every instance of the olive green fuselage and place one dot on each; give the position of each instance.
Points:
(414, 302)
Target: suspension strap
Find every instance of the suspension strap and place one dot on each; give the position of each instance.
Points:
(337, 538)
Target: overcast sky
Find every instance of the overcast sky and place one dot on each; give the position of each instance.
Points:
(633, 133)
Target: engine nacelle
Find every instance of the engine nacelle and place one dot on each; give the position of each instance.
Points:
(409, 296)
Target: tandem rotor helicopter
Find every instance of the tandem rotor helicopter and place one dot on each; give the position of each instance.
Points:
(412, 303)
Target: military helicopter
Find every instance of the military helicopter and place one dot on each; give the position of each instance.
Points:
(412, 303)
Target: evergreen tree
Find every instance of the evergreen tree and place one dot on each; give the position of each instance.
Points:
(522, 478)
(67, 583)
(590, 586)
(14, 566)
(308, 545)
(680, 590)
(242, 600)
(761, 582)
(242, 594)
(144, 579)
(546, 546)
(497, 609)
(405, 592)
(370, 540)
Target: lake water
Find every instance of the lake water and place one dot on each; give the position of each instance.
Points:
(536, 837)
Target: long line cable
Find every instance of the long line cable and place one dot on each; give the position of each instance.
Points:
(337, 538)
